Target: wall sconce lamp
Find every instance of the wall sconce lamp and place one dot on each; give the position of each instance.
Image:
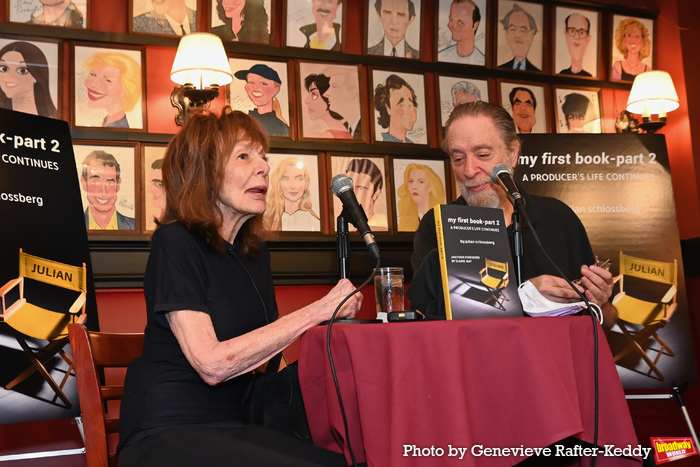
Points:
(652, 93)
(200, 67)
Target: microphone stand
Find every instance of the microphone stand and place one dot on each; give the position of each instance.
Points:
(343, 246)
(517, 245)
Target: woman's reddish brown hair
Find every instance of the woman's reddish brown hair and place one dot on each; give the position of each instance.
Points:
(193, 175)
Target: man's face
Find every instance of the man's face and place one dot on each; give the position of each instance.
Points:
(260, 90)
(325, 11)
(475, 148)
(395, 19)
(523, 111)
(460, 23)
(155, 188)
(364, 191)
(463, 98)
(402, 108)
(577, 37)
(338, 94)
(518, 35)
(101, 186)
(163, 6)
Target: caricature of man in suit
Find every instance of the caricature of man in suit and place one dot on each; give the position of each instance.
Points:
(171, 17)
(396, 16)
(520, 31)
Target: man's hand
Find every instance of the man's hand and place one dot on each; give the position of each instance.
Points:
(598, 283)
(556, 289)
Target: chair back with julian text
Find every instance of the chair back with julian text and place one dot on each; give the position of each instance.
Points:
(640, 319)
(93, 352)
(494, 276)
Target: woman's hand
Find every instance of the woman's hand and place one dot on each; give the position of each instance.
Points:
(330, 302)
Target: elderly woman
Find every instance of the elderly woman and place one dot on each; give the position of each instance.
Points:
(113, 84)
(422, 189)
(212, 315)
(632, 40)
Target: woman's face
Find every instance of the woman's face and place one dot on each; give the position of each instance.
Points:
(104, 88)
(418, 185)
(634, 40)
(245, 181)
(314, 102)
(232, 7)
(15, 79)
(293, 183)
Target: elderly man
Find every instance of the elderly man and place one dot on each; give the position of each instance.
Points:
(344, 97)
(480, 136)
(101, 180)
(520, 30)
(171, 17)
(324, 34)
(465, 18)
(396, 16)
(578, 35)
(523, 103)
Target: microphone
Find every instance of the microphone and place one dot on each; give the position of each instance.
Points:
(342, 187)
(503, 175)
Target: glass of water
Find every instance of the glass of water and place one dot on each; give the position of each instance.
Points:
(388, 289)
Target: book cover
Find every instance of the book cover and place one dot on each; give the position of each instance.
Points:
(475, 259)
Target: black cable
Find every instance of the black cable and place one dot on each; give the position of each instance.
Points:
(330, 359)
(595, 330)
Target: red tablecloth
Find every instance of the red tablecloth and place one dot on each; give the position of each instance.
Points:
(500, 383)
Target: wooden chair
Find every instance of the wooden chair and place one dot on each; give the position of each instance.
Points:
(494, 276)
(93, 351)
(28, 320)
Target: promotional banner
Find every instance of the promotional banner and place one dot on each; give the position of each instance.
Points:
(44, 265)
(620, 187)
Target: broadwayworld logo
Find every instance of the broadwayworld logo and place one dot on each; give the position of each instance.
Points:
(671, 449)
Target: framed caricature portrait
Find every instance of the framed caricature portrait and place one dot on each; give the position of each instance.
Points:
(330, 101)
(108, 88)
(370, 185)
(519, 39)
(527, 103)
(398, 100)
(576, 42)
(454, 90)
(30, 78)
(293, 200)
(578, 110)
(73, 14)
(305, 19)
(632, 47)
(172, 18)
(462, 29)
(108, 175)
(260, 88)
(152, 191)
(419, 186)
(226, 20)
(394, 28)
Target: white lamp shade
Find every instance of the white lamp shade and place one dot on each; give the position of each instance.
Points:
(652, 93)
(201, 61)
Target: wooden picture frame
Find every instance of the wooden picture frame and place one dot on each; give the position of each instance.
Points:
(578, 110)
(419, 184)
(520, 33)
(43, 59)
(475, 42)
(395, 30)
(398, 100)
(296, 184)
(632, 47)
(455, 90)
(264, 84)
(528, 104)
(576, 55)
(74, 16)
(260, 25)
(113, 173)
(163, 19)
(95, 90)
(302, 22)
(371, 185)
(333, 107)
(151, 186)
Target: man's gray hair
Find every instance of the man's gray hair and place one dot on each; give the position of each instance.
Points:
(516, 7)
(465, 87)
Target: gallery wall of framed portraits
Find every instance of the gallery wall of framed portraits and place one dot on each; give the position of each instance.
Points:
(555, 66)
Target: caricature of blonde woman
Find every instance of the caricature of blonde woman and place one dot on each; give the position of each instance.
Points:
(289, 206)
(113, 84)
(422, 189)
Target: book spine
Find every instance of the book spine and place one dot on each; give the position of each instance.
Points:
(443, 261)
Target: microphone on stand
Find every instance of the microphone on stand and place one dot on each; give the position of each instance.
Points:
(503, 175)
(342, 187)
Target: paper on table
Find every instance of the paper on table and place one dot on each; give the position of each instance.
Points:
(535, 304)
